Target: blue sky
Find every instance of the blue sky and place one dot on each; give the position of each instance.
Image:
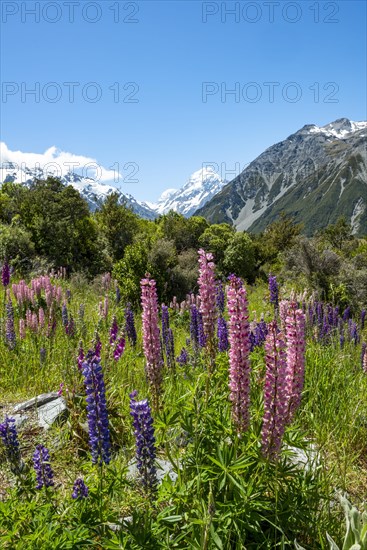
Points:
(180, 59)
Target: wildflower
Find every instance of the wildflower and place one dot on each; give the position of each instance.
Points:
(118, 294)
(363, 318)
(130, 325)
(145, 442)
(21, 329)
(196, 328)
(220, 299)
(70, 327)
(113, 330)
(119, 349)
(41, 462)
(80, 357)
(207, 294)
(222, 334)
(363, 353)
(10, 331)
(5, 274)
(295, 339)
(80, 490)
(183, 357)
(64, 315)
(275, 393)
(99, 434)
(239, 341)
(151, 336)
(346, 314)
(274, 290)
(9, 437)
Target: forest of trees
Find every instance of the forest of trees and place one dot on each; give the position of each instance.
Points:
(49, 225)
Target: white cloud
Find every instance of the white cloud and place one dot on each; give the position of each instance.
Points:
(57, 162)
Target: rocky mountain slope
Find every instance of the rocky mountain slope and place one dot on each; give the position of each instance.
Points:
(316, 175)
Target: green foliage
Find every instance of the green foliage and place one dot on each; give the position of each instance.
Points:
(215, 239)
(185, 232)
(16, 243)
(279, 236)
(118, 225)
(337, 235)
(130, 270)
(239, 257)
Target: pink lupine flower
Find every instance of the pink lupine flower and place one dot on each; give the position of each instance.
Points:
(275, 393)
(207, 292)
(295, 338)
(283, 312)
(41, 317)
(239, 341)
(151, 336)
(105, 307)
(80, 356)
(21, 329)
(34, 322)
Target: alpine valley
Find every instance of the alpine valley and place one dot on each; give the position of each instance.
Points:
(315, 175)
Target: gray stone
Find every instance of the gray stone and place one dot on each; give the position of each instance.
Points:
(50, 412)
(164, 467)
(38, 401)
(20, 419)
(307, 459)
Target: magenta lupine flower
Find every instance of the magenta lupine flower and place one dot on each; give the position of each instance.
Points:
(283, 312)
(119, 348)
(5, 274)
(113, 330)
(239, 341)
(275, 393)
(21, 329)
(207, 294)
(295, 338)
(151, 336)
(80, 358)
(41, 317)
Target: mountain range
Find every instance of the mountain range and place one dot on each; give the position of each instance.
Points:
(315, 175)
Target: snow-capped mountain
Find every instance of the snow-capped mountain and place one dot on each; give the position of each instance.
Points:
(93, 191)
(315, 175)
(197, 191)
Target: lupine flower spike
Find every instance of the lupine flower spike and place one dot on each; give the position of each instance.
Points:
(80, 490)
(41, 462)
(239, 341)
(275, 393)
(145, 442)
(295, 338)
(151, 337)
(207, 294)
(9, 437)
(99, 434)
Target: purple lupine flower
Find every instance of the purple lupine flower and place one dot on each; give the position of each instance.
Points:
(295, 338)
(70, 327)
(5, 274)
(320, 313)
(130, 325)
(41, 463)
(260, 333)
(97, 345)
(239, 341)
(117, 294)
(68, 294)
(151, 337)
(64, 315)
(145, 442)
(276, 397)
(274, 290)
(80, 357)
(183, 357)
(202, 339)
(207, 294)
(364, 360)
(363, 318)
(353, 332)
(194, 332)
(222, 333)
(10, 331)
(346, 314)
(113, 330)
(324, 332)
(9, 437)
(220, 298)
(119, 348)
(80, 490)
(97, 414)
